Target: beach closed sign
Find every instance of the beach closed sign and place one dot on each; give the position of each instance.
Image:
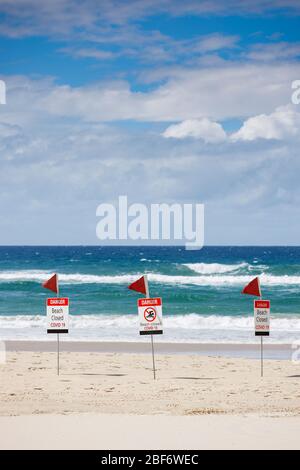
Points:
(58, 315)
(150, 316)
(262, 317)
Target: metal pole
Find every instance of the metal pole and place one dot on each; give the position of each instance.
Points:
(152, 342)
(261, 357)
(57, 337)
(153, 360)
(261, 347)
(57, 353)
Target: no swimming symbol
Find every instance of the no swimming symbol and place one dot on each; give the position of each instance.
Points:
(150, 314)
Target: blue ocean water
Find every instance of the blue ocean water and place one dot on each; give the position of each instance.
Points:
(200, 290)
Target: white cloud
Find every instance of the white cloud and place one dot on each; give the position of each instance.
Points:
(278, 51)
(58, 161)
(6, 130)
(215, 42)
(283, 123)
(210, 132)
(218, 93)
(60, 157)
(27, 17)
(89, 53)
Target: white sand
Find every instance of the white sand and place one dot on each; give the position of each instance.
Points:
(123, 384)
(90, 431)
(106, 400)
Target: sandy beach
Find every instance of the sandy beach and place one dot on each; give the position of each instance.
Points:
(150, 220)
(118, 382)
(110, 387)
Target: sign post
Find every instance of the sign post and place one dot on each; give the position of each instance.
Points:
(262, 325)
(150, 317)
(57, 354)
(152, 342)
(57, 319)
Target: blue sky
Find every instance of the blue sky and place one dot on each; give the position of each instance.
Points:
(163, 101)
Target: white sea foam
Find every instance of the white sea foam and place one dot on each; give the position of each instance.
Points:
(217, 280)
(40, 276)
(225, 280)
(214, 268)
(183, 328)
(188, 321)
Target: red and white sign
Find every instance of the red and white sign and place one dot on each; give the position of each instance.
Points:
(58, 315)
(150, 316)
(262, 317)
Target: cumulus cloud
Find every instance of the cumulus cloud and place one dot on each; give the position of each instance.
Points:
(60, 157)
(218, 93)
(210, 132)
(283, 123)
(64, 149)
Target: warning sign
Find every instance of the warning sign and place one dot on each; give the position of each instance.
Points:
(150, 316)
(58, 315)
(262, 317)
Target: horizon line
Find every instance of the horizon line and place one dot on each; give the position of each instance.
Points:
(148, 246)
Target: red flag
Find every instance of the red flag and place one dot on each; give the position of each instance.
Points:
(253, 288)
(52, 284)
(140, 285)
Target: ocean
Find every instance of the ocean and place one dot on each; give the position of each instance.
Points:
(201, 291)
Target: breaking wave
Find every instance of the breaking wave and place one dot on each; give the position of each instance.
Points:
(202, 280)
(180, 328)
(215, 268)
